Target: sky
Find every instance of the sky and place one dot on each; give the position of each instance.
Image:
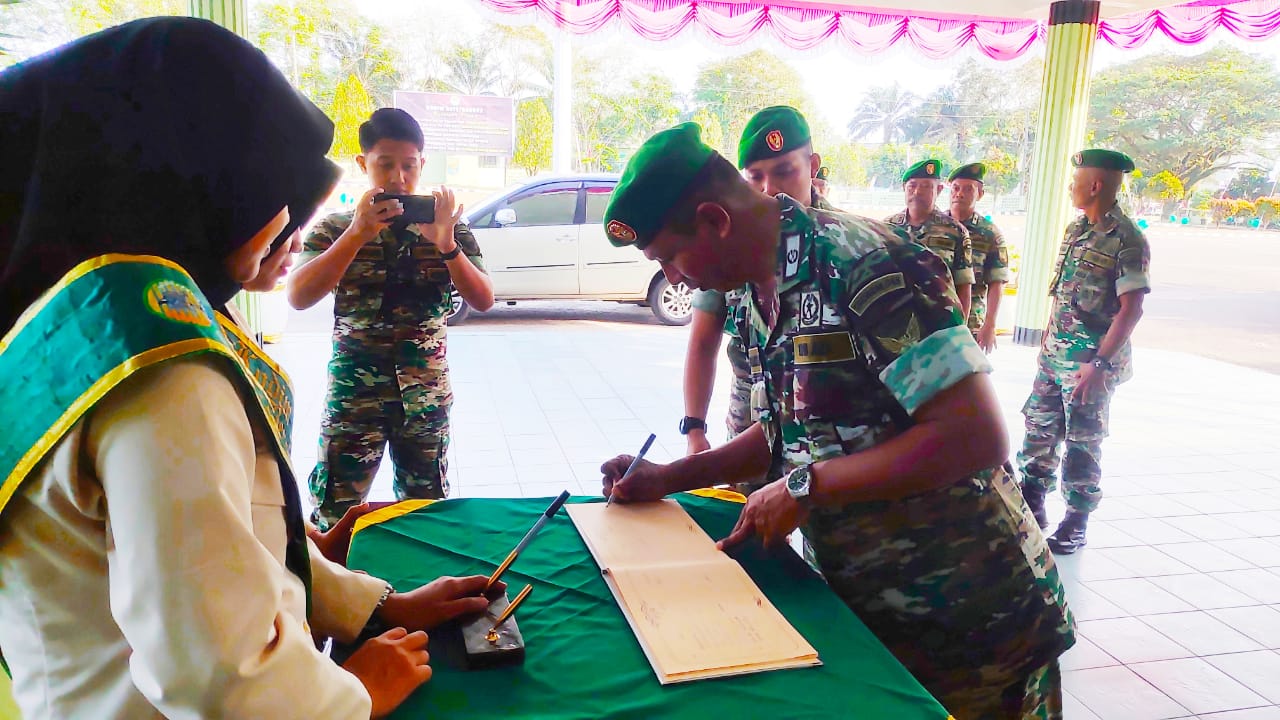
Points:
(836, 77)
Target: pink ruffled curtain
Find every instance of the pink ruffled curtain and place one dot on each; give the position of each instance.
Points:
(934, 36)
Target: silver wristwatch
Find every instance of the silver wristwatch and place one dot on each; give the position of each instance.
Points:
(799, 484)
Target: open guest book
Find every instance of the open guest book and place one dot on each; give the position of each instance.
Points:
(694, 610)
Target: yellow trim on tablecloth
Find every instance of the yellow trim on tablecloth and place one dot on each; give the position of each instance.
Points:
(390, 512)
(720, 494)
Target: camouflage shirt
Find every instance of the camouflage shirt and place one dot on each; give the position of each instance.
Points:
(947, 238)
(869, 331)
(390, 309)
(990, 263)
(1096, 265)
(717, 303)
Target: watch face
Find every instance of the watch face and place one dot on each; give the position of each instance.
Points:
(798, 482)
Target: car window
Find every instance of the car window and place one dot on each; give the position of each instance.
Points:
(483, 221)
(550, 205)
(597, 201)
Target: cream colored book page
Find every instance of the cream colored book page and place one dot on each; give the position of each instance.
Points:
(693, 608)
(707, 617)
(639, 534)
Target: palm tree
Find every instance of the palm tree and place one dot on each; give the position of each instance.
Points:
(887, 109)
(473, 69)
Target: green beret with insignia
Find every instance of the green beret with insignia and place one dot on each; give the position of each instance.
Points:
(972, 171)
(772, 132)
(1104, 159)
(928, 169)
(655, 179)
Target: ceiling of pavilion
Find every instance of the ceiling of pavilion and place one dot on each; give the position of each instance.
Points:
(1001, 29)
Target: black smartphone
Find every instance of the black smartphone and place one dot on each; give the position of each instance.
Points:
(417, 208)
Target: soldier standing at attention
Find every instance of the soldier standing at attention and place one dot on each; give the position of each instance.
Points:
(878, 428)
(1103, 275)
(990, 256)
(388, 378)
(775, 155)
(944, 236)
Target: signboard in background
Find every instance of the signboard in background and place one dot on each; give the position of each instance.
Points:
(462, 124)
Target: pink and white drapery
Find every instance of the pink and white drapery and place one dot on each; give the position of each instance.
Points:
(871, 31)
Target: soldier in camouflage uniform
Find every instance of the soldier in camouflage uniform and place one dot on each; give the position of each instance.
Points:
(923, 223)
(776, 155)
(862, 357)
(1103, 275)
(393, 282)
(990, 256)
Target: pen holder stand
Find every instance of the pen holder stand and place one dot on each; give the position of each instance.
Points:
(502, 646)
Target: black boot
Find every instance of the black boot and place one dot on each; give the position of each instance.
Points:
(1069, 537)
(1035, 500)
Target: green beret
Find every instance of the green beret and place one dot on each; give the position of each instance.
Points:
(824, 173)
(972, 171)
(772, 132)
(654, 180)
(1104, 159)
(928, 169)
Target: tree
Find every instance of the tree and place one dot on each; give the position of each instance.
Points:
(614, 115)
(846, 163)
(1190, 116)
(1249, 183)
(1002, 173)
(734, 89)
(1268, 209)
(533, 135)
(886, 165)
(887, 110)
(712, 133)
(351, 107)
(1167, 188)
(473, 68)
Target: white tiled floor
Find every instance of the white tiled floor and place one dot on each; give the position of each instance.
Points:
(1178, 593)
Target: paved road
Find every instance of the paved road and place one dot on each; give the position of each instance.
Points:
(1217, 295)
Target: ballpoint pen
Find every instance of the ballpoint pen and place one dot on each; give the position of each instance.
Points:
(636, 461)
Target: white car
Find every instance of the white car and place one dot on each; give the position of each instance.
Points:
(545, 241)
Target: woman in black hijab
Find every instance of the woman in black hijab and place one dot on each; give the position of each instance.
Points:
(153, 559)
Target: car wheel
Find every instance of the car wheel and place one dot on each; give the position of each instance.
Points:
(458, 314)
(672, 304)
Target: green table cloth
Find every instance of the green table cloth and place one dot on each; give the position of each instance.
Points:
(583, 661)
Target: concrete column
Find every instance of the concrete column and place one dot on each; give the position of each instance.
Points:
(1060, 132)
(562, 105)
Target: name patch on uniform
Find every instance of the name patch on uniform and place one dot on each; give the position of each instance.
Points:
(792, 267)
(1099, 259)
(940, 242)
(874, 290)
(810, 309)
(753, 357)
(822, 348)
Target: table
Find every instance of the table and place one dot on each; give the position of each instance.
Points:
(582, 660)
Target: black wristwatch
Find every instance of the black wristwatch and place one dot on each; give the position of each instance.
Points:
(1102, 363)
(689, 424)
(455, 252)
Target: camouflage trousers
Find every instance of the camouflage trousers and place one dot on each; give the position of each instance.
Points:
(354, 435)
(1038, 696)
(1053, 419)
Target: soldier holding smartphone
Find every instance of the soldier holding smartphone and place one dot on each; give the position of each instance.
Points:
(393, 282)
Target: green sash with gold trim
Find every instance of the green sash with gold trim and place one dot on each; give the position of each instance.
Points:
(106, 319)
